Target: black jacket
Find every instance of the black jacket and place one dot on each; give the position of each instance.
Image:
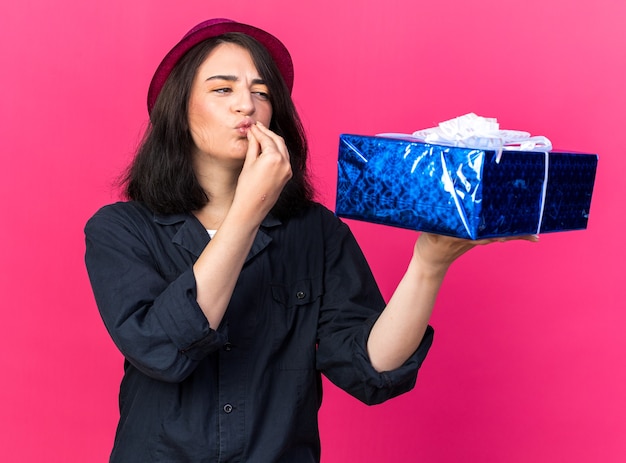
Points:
(304, 303)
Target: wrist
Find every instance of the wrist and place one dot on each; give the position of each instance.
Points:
(431, 269)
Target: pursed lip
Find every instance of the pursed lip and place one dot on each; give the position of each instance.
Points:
(244, 125)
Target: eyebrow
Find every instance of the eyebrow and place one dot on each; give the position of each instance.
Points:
(230, 78)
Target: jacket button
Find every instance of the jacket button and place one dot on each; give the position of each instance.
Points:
(300, 294)
(228, 408)
(228, 347)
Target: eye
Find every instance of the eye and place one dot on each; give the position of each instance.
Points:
(262, 95)
(261, 91)
(222, 90)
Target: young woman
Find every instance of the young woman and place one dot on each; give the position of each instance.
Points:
(226, 287)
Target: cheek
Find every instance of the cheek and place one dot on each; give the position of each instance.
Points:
(199, 130)
(201, 123)
(265, 115)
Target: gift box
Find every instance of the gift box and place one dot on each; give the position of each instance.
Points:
(459, 191)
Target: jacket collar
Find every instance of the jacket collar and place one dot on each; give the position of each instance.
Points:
(193, 237)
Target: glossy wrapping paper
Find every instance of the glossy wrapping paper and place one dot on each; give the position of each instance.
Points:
(462, 192)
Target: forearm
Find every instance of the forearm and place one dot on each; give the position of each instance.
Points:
(400, 328)
(217, 269)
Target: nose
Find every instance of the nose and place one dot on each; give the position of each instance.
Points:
(244, 102)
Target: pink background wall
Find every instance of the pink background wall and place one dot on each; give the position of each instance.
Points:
(528, 361)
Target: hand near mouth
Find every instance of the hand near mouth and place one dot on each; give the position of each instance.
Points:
(265, 172)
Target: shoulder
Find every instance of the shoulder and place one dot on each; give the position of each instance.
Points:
(133, 227)
(124, 208)
(315, 218)
(319, 213)
(121, 213)
(132, 217)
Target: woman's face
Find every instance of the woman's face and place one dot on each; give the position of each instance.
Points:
(227, 96)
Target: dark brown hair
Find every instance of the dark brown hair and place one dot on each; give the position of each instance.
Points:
(161, 174)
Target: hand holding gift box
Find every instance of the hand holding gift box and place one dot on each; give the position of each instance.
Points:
(466, 178)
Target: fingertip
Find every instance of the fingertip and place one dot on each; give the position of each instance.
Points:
(253, 145)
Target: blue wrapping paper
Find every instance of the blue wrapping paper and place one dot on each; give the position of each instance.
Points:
(462, 192)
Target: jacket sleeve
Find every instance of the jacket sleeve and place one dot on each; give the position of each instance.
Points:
(153, 318)
(351, 306)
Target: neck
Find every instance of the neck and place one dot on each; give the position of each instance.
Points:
(219, 182)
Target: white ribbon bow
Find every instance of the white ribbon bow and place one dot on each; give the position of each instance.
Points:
(472, 131)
